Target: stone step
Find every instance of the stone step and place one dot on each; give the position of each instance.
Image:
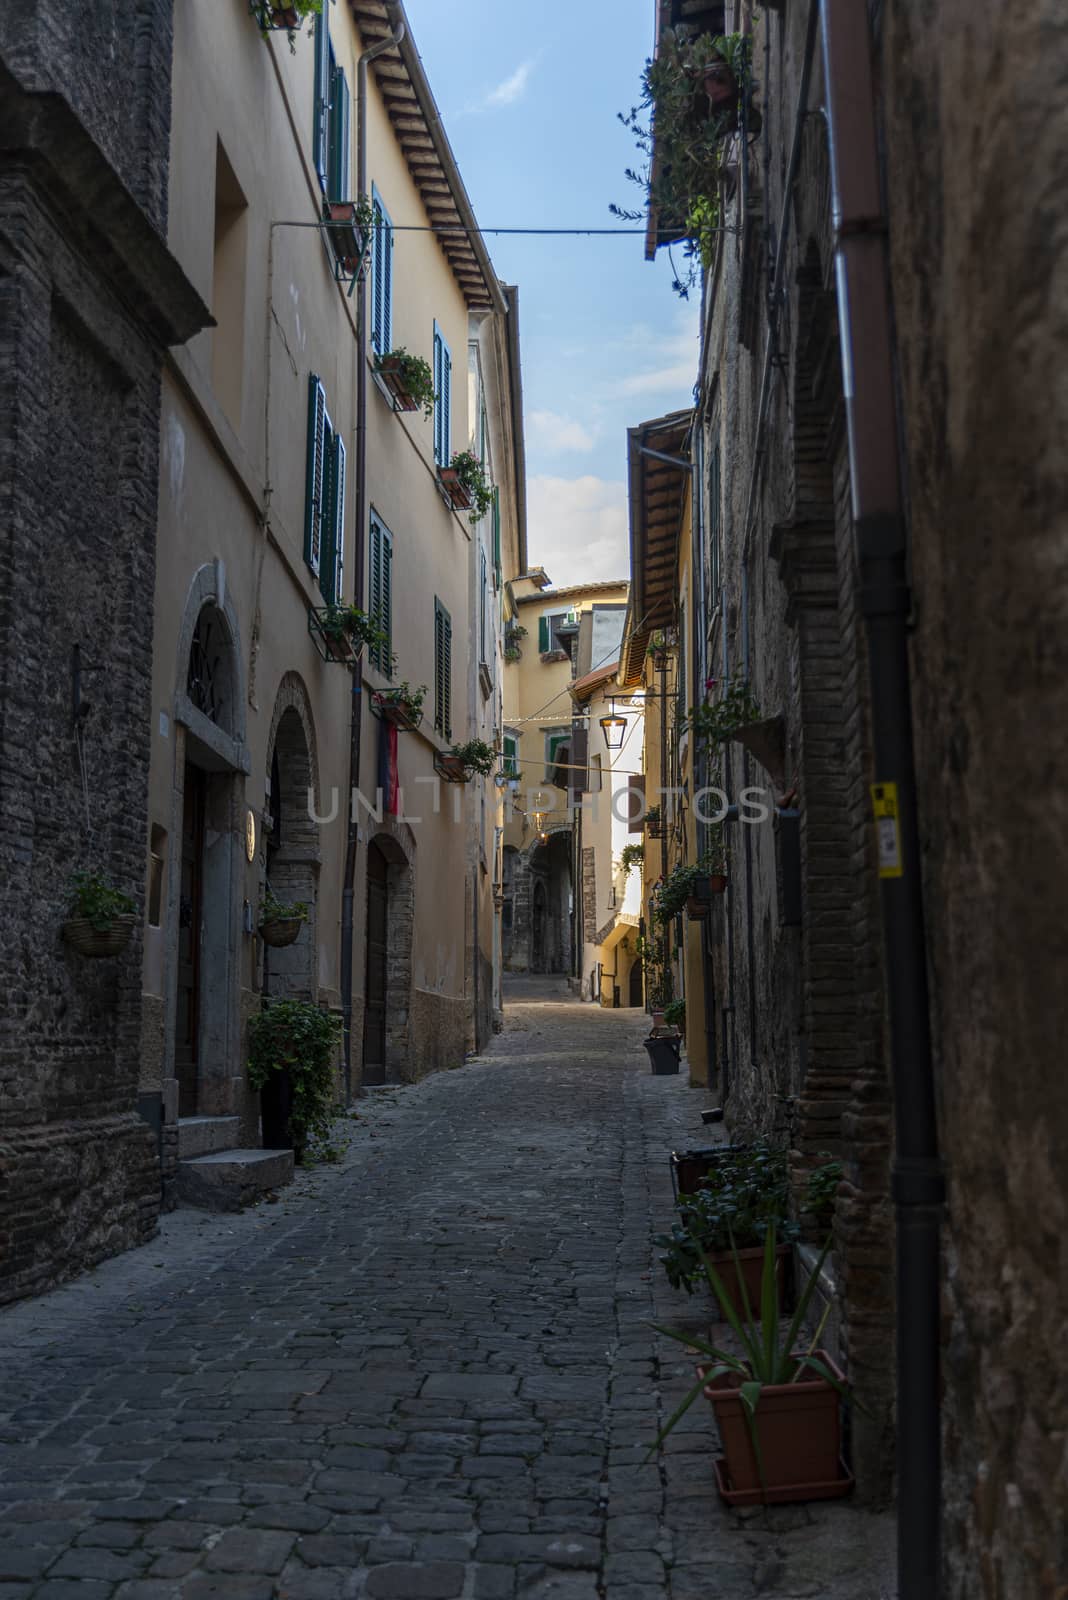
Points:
(227, 1180)
(201, 1136)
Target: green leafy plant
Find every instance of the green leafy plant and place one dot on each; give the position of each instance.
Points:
(633, 855)
(415, 376)
(652, 819)
(97, 901)
(672, 892)
(274, 910)
(273, 15)
(475, 756)
(295, 1036)
(341, 622)
(768, 1356)
(659, 980)
(684, 126)
(514, 631)
(404, 695)
(663, 639)
(472, 475)
(735, 709)
(822, 1186)
(675, 1013)
(743, 1194)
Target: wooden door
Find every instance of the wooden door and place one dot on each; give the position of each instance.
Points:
(374, 1017)
(187, 1025)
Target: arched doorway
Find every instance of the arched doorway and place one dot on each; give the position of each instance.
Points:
(388, 930)
(210, 765)
(634, 985)
(292, 840)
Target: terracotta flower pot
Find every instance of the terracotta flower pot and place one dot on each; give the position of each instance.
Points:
(95, 942)
(398, 712)
(800, 1437)
(451, 768)
(717, 883)
(458, 491)
(721, 86)
(282, 931)
(696, 908)
(338, 646)
(284, 17)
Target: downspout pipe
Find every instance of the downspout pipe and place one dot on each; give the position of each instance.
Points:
(862, 280)
(356, 711)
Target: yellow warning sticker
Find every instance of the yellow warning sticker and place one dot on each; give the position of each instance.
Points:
(887, 829)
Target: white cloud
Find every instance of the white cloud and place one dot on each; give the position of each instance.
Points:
(551, 432)
(514, 87)
(577, 528)
(676, 358)
(681, 377)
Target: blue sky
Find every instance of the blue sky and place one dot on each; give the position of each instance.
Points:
(529, 97)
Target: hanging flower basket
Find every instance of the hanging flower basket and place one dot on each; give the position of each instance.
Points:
(90, 940)
(282, 932)
(392, 369)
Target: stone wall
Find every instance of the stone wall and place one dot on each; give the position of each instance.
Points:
(975, 117)
(88, 298)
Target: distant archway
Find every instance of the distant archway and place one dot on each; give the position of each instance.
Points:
(388, 929)
(292, 839)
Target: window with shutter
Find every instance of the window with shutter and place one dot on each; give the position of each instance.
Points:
(339, 123)
(483, 607)
(496, 537)
(555, 741)
(380, 592)
(381, 277)
(326, 514)
(511, 755)
(314, 485)
(323, 86)
(442, 670)
(337, 515)
(543, 634)
(443, 400)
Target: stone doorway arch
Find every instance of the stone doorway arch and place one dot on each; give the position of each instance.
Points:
(291, 838)
(390, 901)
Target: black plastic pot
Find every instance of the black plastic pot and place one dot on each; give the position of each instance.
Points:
(276, 1108)
(663, 1056)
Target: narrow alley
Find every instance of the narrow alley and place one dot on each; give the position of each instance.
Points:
(426, 1372)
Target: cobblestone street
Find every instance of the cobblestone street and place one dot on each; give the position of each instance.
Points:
(424, 1373)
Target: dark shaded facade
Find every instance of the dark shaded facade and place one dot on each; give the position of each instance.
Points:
(90, 298)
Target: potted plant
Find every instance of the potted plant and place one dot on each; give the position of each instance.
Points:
(513, 633)
(776, 1404)
(349, 225)
(743, 1194)
(735, 709)
(400, 704)
(274, 18)
(292, 1061)
(460, 763)
(659, 646)
(675, 1015)
(101, 920)
(280, 922)
(632, 856)
(466, 484)
(654, 824)
(409, 380)
(346, 631)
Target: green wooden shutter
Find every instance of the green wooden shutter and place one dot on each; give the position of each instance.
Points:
(327, 525)
(374, 580)
(443, 399)
(496, 537)
(511, 756)
(320, 124)
(338, 517)
(339, 135)
(544, 642)
(386, 605)
(483, 606)
(442, 670)
(313, 492)
(381, 278)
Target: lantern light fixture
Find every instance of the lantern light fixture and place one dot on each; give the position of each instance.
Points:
(614, 728)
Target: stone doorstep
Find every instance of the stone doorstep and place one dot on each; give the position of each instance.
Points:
(202, 1136)
(229, 1180)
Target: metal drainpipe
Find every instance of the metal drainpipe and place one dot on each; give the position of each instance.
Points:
(356, 711)
(862, 273)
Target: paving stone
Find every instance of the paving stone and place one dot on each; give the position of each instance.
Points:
(376, 1391)
(438, 1580)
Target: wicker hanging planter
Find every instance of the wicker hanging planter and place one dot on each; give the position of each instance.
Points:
(283, 931)
(89, 940)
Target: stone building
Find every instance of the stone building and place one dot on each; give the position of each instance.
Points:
(295, 477)
(552, 638)
(882, 980)
(91, 298)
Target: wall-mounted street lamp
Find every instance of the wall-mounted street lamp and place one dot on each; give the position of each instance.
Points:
(614, 728)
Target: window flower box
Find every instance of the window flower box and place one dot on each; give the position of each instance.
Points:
(409, 381)
(456, 489)
(450, 767)
(402, 706)
(350, 233)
